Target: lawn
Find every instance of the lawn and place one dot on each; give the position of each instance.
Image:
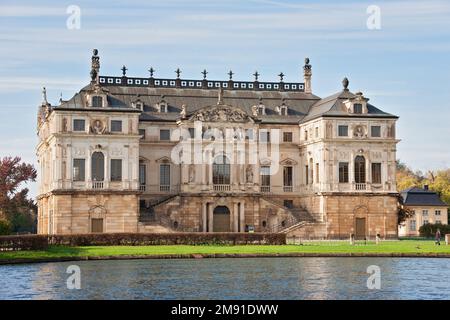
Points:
(324, 247)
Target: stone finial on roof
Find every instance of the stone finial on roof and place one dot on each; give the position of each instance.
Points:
(307, 73)
(204, 73)
(256, 75)
(230, 75)
(44, 96)
(95, 66)
(307, 66)
(152, 71)
(178, 72)
(345, 83)
(124, 70)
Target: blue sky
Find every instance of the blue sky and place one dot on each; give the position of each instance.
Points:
(404, 67)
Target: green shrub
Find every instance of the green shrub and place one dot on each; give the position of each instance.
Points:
(40, 242)
(5, 227)
(192, 238)
(429, 229)
(24, 242)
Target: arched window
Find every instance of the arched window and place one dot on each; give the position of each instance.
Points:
(221, 170)
(360, 169)
(98, 166)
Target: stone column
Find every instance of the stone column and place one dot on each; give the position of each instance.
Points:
(204, 217)
(210, 218)
(235, 217)
(210, 170)
(242, 217)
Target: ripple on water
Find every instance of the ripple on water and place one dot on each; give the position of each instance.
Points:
(242, 278)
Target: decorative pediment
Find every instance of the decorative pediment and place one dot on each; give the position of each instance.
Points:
(221, 113)
(164, 160)
(288, 162)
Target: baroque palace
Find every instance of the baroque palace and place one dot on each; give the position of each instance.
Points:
(151, 154)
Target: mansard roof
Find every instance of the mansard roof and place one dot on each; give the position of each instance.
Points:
(121, 96)
(333, 106)
(190, 95)
(421, 197)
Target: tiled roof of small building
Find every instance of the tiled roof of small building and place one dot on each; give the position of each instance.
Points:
(421, 197)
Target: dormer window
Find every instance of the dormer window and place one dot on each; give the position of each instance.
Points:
(283, 110)
(97, 102)
(261, 110)
(357, 105)
(138, 105)
(162, 106)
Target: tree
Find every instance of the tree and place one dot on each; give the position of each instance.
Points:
(406, 178)
(14, 202)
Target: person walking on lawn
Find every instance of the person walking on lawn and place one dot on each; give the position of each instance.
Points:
(438, 237)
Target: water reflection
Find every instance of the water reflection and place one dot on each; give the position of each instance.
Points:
(252, 278)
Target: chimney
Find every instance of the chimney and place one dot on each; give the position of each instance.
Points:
(307, 76)
(425, 187)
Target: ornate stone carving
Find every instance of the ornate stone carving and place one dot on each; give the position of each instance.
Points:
(329, 130)
(97, 127)
(64, 125)
(359, 132)
(183, 111)
(249, 173)
(221, 114)
(191, 173)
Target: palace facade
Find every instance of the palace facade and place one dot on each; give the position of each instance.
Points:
(128, 154)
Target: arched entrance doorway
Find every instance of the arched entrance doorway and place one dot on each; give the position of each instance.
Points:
(221, 219)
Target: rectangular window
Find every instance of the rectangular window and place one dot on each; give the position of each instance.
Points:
(287, 176)
(287, 136)
(375, 131)
(438, 221)
(97, 102)
(437, 212)
(142, 174)
(425, 212)
(343, 131)
(164, 175)
(412, 225)
(142, 133)
(249, 134)
(116, 169)
(79, 125)
(425, 221)
(164, 135)
(343, 172)
(116, 125)
(357, 108)
(78, 169)
(191, 133)
(376, 173)
(264, 136)
(317, 132)
(265, 177)
(306, 135)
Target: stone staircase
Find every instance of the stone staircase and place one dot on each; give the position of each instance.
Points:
(297, 218)
(148, 216)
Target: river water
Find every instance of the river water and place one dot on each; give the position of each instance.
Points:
(232, 278)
